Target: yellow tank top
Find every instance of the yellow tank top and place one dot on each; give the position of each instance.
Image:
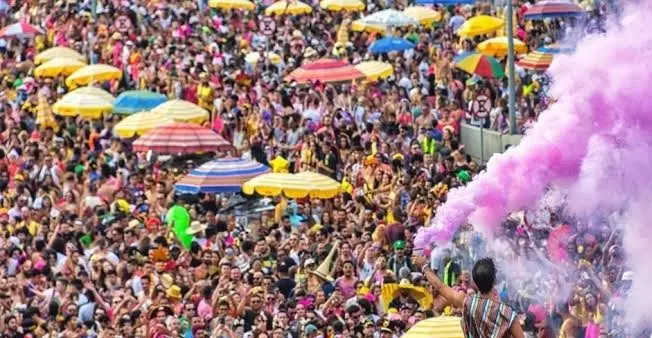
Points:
(564, 327)
(390, 217)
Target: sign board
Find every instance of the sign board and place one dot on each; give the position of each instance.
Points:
(123, 24)
(481, 107)
(267, 26)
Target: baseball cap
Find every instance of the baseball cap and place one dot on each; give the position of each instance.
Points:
(399, 245)
(308, 261)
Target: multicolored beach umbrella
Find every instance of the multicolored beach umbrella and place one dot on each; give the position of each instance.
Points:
(479, 64)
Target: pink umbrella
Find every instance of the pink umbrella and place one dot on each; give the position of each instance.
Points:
(181, 137)
(20, 29)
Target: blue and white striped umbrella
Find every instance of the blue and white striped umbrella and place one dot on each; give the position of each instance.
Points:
(220, 176)
(389, 18)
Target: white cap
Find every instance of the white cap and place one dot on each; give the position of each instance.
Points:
(628, 275)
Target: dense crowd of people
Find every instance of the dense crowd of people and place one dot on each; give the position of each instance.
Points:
(85, 247)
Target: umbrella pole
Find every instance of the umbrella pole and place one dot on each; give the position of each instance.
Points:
(510, 65)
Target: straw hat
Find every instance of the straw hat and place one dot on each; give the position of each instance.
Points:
(296, 34)
(310, 52)
(196, 227)
(174, 292)
(133, 224)
(165, 308)
(167, 280)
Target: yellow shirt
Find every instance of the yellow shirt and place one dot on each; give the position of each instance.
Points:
(343, 35)
(205, 96)
(346, 186)
(279, 210)
(306, 156)
(33, 228)
(39, 42)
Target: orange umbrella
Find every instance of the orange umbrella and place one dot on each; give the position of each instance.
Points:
(325, 70)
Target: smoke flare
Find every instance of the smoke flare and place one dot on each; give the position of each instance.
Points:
(594, 143)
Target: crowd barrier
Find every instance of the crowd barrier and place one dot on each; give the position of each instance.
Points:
(481, 143)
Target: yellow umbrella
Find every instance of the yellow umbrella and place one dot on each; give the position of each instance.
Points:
(293, 185)
(425, 15)
(392, 290)
(343, 5)
(436, 327)
(358, 26)
(232, 4)
(254, 57)
(93, 91)
(498, 46)
(375, 70)
(58, 66)
(58, 53)
(140, 123)
(288, 7)
(182, 111)
(478, 25)
(44, 116)
(86, 106)
(93, 73)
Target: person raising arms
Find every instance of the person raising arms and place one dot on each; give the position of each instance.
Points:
(483, 315)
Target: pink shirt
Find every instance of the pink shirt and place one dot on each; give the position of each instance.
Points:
(204, 309)
(117, 54)
(347, 288)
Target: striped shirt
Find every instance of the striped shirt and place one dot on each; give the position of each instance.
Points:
(486, 318)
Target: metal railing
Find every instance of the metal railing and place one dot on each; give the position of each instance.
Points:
(481, 143)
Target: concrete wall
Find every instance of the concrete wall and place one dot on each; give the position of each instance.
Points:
(481, 143)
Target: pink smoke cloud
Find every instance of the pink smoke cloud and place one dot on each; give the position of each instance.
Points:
(594, 143)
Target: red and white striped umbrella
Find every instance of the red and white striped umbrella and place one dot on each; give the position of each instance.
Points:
(20, 29)
(180, 137)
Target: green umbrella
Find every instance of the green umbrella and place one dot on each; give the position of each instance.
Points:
(179, 218)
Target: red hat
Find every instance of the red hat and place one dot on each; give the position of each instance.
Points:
(152, 223)
(35, 135)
